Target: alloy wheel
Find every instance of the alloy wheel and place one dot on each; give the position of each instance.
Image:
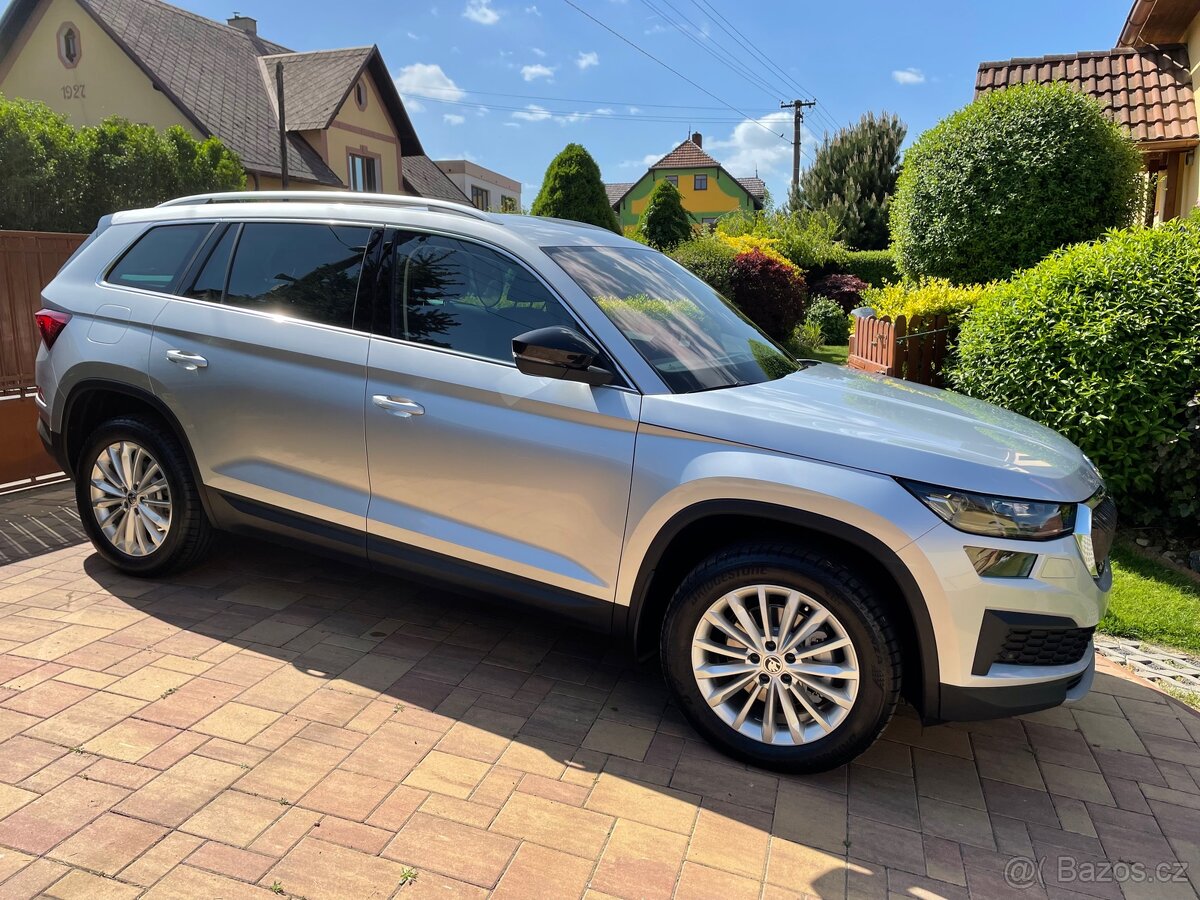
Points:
(775, 665)
(130, 498)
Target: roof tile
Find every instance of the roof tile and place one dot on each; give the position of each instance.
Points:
(1148, 90)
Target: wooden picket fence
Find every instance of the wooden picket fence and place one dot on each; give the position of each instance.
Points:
(910, 349)
(28, 261)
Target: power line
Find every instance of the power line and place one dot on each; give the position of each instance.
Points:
(634, 103)
(542, 112)
(674, 71)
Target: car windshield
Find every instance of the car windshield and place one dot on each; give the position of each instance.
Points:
(689, 333)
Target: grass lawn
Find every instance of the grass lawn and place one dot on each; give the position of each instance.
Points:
(833, 354)
(1152, 603)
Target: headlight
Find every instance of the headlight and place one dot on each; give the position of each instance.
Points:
(1002, 517)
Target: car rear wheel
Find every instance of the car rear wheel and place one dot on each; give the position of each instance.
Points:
(781, 657)
(138, 500)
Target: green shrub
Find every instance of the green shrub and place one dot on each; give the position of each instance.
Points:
(769, 292)
(572, 189)
(829, 316)
(60, 178)
(710, 259)
(664, 221)
(1101, 342)
(931, 297)
(805, 341)
(807, 239)
(1013, 176)
(875, 267)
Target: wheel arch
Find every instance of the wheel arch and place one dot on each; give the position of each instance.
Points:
(96, 400)
(700, 529)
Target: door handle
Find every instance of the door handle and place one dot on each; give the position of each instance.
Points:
(190, 361)
(398, 406)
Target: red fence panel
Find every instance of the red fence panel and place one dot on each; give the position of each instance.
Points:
(913, 350)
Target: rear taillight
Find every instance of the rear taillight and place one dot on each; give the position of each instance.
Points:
(51, 323)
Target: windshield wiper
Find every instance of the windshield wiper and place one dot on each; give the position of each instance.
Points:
(720, 387)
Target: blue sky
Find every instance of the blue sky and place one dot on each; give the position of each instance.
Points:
(528, 76)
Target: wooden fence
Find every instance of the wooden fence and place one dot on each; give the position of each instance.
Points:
(28, 261)
(913, 350)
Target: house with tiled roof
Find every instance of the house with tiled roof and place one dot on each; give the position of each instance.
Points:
(707, 189)
(147, 61)
(1146, 85)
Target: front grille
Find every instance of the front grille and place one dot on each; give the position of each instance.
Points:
(1044, 646)
(1104, 531)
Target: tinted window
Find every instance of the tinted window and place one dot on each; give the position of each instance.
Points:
(453, 294)
(210, 283)
(159, 257)
(305, 271)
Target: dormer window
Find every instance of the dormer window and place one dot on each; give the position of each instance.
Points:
(360, 95)
(69, 50)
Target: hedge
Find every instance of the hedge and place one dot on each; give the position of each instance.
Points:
(875, 267)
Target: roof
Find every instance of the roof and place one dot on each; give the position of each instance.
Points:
(424, 178)
(755, 187)
(1148, 90)
(1157, 22)
(617, 190)
(222, 79)
(687, 155)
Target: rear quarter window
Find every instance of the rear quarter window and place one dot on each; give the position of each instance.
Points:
(158, 258)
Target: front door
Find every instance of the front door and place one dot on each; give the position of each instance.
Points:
(502, 479)
(263, 368)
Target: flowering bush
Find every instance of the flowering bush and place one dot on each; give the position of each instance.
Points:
(771, 292)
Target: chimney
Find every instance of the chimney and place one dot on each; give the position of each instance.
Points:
(696, 138)
(243, 23)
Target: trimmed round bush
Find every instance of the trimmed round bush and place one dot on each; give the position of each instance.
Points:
(1001, 183)
(770, 292)
(710, 259)
(1102, 343)
(572, 189)
(833, 321)
(664, 222)
(845, 290)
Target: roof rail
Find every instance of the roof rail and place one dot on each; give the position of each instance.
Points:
(355, 197)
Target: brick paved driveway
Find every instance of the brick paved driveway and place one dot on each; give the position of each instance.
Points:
(271, 719)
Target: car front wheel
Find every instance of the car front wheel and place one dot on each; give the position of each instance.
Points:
(138, 500)
(781, 657)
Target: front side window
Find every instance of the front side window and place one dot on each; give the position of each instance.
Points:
(481, 197)
(159, 257)
(700, 182)
(306, 271)
(461, 296)
(692, 336)
(209, 283)
(364, 173)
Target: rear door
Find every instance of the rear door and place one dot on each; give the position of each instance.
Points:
(508, 481)
(260, 361)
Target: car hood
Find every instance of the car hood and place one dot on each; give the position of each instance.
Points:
(834, 414)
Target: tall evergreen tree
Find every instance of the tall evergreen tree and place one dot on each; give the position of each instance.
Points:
(853, 176)
(572, 189)
(664, 222)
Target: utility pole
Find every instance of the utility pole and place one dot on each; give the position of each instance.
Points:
(283, 155)
(798, 107)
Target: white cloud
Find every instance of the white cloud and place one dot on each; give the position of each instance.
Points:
(428, 80)
(908, 76)
(481, 11)
(755, 145)
(453, 119)
(634, 110)
(412, 36)
(656, 28)
(538, 52)
(536, 71)
(533, 113)
(604, 111)
(533, 11)
(587, 60)
(512, 124)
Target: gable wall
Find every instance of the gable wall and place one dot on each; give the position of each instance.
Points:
(368, 132)
(724, 195)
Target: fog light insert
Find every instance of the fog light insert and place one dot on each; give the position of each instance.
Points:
(993, 563)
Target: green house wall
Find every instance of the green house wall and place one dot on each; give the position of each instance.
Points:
(724, 195)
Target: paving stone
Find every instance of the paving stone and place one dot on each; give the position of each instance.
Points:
(234, 817)
(180, 791)
(447, 774)
(40, 824)
(649, 804)
(579, 831)
(640, 860)
(731, 838)
(347, 794)
(887, 844)
(474, 855)
(78, 885)
(807, 870)
(964, 824)
(108, 844)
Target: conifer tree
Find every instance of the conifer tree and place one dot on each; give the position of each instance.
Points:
(572, 189)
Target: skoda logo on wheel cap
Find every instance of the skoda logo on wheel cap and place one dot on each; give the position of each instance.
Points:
(774, 666)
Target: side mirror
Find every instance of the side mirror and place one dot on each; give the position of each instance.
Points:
(558, 352)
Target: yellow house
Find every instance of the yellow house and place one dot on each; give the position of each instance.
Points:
(1146, 84)
(346, 126)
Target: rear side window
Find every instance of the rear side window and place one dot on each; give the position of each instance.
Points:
(159, 257)
(300, 270)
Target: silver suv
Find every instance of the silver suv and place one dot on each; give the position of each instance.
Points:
(550, 413)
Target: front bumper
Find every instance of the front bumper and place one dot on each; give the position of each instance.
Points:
(1059, 597)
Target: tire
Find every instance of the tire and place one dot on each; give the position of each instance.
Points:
(855, 615)
(156, 549)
